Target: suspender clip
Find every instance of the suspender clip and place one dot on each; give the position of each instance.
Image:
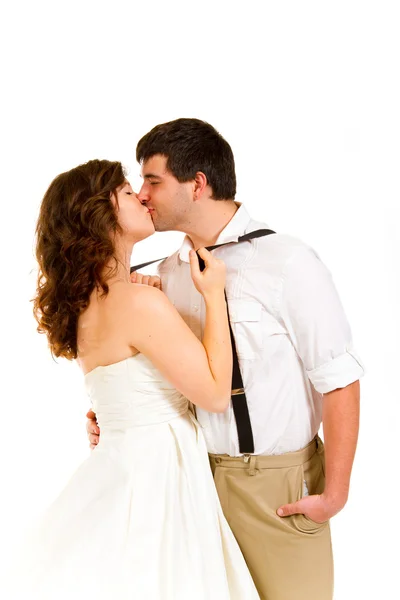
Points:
(237, 392)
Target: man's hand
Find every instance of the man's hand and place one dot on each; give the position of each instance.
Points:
(317, 508)
(340, 418)
(92, 429)
(151, 280)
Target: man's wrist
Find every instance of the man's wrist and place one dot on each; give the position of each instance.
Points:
(334, 500)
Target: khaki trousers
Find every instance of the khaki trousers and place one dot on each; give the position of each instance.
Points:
(289, 558)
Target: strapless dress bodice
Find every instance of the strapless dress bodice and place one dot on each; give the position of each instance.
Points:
(132, 393)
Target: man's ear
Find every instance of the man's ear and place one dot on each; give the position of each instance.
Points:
(200, 184)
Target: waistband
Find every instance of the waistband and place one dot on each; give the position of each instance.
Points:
(273, 461)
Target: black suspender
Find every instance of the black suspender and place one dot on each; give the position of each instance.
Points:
(239, 402)
(243, 238)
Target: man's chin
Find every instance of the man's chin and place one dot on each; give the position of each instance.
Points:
(159, 227)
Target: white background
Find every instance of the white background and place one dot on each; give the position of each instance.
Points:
(307, 95)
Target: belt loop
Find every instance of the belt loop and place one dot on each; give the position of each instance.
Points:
(252, 465)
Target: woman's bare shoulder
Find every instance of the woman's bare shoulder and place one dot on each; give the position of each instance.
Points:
(145, 298)
(125, 299)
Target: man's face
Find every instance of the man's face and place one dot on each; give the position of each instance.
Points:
(168, 201)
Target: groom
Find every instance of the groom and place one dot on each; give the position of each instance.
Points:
(296, 359)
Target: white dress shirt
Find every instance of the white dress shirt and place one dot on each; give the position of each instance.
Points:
(292, 337)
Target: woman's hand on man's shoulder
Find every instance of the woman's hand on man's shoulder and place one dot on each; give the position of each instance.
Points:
(150, 280)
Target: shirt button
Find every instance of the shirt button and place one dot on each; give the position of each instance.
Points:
(196, 308)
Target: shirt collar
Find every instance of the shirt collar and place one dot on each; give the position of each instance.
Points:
(233, 230)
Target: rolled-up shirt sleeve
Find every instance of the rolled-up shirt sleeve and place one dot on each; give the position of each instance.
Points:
(316, 323)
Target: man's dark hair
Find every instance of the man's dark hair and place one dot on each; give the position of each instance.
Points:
(191, 145)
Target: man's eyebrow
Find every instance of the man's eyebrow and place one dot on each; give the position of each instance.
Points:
(151, 176)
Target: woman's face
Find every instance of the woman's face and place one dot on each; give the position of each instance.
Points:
(133, 217)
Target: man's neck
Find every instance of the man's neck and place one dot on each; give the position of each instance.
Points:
(206, 226)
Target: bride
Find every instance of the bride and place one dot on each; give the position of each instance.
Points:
(140, 519)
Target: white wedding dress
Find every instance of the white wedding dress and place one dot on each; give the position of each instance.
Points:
(140, 519)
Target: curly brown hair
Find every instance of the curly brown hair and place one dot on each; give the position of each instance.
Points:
(74, 244)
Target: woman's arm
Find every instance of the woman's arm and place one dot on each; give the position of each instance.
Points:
(200, 371)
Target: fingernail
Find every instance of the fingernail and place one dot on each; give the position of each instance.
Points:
(280, 512)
